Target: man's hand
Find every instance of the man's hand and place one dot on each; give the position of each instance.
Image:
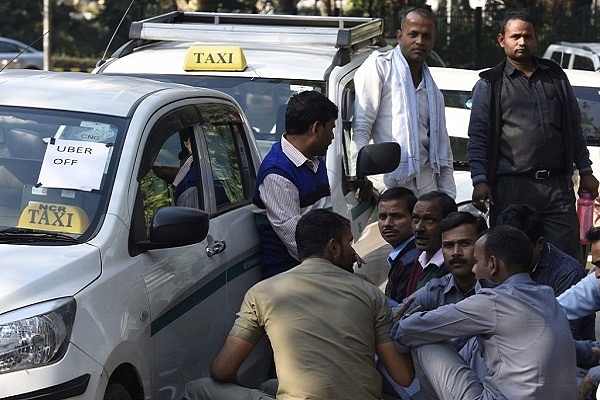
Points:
(585, 387)
(481, 193)
(588, 183)
(359, 261)
(364, 194)
(400, 311)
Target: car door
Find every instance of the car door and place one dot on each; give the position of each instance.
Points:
(187, 312)
(227, 147)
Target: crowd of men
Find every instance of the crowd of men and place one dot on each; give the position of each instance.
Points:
(473, 308)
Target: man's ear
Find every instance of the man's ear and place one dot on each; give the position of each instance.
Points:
(500, 39)
(540, 243)
(333, 247)
(314, 127)
(494, 265)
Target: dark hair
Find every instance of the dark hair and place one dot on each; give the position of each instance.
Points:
(315, 229)
(423, 12)
(510, 245)
(525, 218)
(458, 218)
(510, 15)
(306, 108)
(593, 234)
(446, 202)
(399, 193)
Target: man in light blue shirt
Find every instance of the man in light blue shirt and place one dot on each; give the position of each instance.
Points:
(580, 300)
(525, 336)
(551, 266)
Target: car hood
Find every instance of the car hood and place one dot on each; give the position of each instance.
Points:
(31, 274)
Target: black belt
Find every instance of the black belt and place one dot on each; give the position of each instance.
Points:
(542, 174)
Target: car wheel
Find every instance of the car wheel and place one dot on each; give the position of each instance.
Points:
(116, 391)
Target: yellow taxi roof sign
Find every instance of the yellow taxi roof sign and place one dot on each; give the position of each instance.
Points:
(54, 218)
(215, 58)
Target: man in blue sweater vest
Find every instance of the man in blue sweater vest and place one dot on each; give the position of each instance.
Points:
(292, 178)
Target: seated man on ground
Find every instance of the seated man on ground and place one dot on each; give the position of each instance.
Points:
(394, 219)
(429, 211)
(523, 332)
(460, 231)
(550, 266)
(581, 300)
(324, 323)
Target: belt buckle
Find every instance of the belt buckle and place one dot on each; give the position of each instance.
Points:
(542, 174)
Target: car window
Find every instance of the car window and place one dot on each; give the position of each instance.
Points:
(584, 63)
(229, 155)
(566, 59)
(9, 48)
(589, 103)
(557, 56)
(169, 174)
(458, 106)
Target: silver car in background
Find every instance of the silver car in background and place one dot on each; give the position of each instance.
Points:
(15, 54)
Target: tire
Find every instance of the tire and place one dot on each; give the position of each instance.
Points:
(116, 391)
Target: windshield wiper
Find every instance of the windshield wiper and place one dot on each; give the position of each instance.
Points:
(23, 235)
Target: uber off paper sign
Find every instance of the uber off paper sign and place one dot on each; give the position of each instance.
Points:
(72, 164)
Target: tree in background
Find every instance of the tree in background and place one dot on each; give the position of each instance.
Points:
(85, 30)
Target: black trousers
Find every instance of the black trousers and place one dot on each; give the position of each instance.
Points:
(553, 199)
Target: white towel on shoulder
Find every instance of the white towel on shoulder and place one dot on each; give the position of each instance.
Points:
(405, 114)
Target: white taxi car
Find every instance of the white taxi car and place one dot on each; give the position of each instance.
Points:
(111, 288)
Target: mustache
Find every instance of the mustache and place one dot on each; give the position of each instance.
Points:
(457, 261)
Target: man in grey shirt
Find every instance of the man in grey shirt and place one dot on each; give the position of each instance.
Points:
(524, 333)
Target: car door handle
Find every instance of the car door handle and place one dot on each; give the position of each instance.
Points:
(216, 248)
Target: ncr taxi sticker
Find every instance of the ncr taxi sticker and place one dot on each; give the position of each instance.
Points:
(215, 58)
(72, 164)
(54, 218)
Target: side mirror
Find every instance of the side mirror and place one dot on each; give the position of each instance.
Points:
(377, 158)
(176, 226)
(373, 159)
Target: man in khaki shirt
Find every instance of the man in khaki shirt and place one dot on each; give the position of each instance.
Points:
(325, 325)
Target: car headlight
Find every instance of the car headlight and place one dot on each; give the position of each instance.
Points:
(36, 335)
(8, 63)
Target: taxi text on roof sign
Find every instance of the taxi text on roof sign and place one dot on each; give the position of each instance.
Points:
(214, 58)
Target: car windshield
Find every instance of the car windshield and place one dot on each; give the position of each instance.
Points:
(458, 109)
(263, 100)
(589, 103)
(53, 173)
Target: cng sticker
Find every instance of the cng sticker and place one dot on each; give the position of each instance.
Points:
(54, 217)
(214, 58)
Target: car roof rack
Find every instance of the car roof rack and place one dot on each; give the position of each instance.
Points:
(341, 32)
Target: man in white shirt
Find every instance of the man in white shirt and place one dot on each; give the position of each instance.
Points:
(398, 101)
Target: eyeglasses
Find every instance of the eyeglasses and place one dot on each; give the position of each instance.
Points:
(596, 263)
